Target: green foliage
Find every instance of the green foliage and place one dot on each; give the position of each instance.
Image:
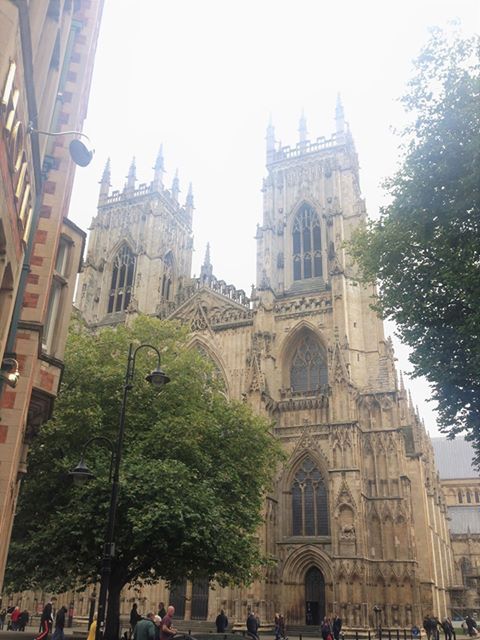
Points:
(194, 471)
(425, 248)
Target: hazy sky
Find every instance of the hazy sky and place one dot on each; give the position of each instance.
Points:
(203, 76)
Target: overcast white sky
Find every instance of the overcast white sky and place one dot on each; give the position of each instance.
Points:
(202, 76)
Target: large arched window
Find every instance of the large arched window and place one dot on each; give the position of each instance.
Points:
(307, 246)
(308, 370)
(309, 501)
(122, 280)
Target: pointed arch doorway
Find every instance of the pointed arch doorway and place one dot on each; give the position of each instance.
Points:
(314, 596)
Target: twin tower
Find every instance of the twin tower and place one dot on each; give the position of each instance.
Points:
(356, 518)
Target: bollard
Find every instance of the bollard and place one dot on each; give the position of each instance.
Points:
(369, 635)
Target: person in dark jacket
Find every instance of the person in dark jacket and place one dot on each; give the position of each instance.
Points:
(23, 620)
(134, 618)
(58, 634)
(336, 627)
(252, 625)
(221, 622)
(45, 621)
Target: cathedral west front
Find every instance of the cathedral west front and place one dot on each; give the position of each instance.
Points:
(357, 518)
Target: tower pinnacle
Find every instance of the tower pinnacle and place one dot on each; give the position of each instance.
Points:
(159, 170)
(302, 130)
(339, 116)
(206, 270)
(175, 186)
(105, 183)
(270, 138)
(132, 176)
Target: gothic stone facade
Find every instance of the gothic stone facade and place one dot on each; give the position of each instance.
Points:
(357, 516)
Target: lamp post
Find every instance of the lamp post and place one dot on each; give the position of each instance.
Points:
(159, 379)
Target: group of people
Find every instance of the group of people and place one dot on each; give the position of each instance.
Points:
(330, 628)
(153, 626)
(46, 622)
(433, 626)
(18, 619)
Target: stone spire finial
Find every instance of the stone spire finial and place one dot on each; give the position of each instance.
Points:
(206, 270)
(302, 129)
(339, 116)
(189, 200)
(132, 176)
(105, 183)
(175, 186)
(270, 138)
(159, 170)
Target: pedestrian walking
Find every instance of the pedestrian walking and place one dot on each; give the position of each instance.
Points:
(45, 621)
(326, 629)
(336, 626)
(471, 626)
(221, 622)
(134, 618)
(3, 615)
(59, 634)
(145, 628)
(14, 618)
(92, 632)
(167, 630)
(23, 620)
(252, 625)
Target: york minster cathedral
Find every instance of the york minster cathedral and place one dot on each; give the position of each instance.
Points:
(357, 518)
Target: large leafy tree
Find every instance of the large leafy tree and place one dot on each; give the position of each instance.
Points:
(194, 472)
(425, 247)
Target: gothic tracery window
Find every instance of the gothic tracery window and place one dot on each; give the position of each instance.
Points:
(309, 501)
(307, 249)
(308, 370)
(122, 280)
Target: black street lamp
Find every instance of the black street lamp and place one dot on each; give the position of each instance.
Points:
(81, 472)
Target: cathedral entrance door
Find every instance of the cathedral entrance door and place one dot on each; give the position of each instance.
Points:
(314, 596)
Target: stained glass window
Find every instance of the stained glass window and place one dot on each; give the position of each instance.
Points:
(307, 245)
(308, 371)
(122, 280)
(309, 502)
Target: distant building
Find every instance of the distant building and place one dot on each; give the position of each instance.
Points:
(357, 517)
(461, 486)
(47, 48)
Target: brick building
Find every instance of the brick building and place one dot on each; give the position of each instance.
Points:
(47, 49)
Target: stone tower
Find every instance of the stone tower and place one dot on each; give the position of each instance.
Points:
(139, 249)
(356, 518)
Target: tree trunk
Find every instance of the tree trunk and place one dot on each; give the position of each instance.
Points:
(112, 626)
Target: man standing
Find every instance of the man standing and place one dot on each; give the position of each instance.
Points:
(221, 622)
(336, 627)
(161, 610)
(145, 628)
(167, 631)
(45, 621)
(252, 625)
(59, 624)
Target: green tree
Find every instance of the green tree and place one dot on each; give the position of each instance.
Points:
(194, 472)
(424, 250)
